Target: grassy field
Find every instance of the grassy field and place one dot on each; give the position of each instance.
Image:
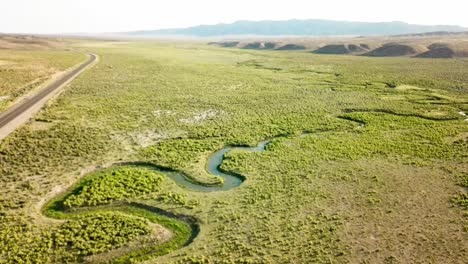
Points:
(368, 160)
(23, 70)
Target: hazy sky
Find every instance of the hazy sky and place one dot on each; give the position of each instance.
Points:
(61, 16)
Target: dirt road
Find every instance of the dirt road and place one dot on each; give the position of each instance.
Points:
(20, 113)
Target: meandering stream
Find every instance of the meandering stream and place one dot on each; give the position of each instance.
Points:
(230, 180)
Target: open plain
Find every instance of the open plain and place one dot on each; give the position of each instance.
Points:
(324, 158)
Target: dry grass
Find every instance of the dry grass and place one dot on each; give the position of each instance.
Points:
(395, 217)
(20, 42)
(27, 62)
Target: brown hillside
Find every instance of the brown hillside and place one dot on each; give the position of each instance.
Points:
(341, 49)
(437, 45)
(292, 47)
(227, 44)
(365, 46)
(395, 50)
(444, 50)
(28, 43)
(260, 45)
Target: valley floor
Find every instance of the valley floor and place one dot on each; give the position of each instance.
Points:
(367, 162)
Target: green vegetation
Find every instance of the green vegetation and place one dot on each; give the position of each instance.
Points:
(339, 192)
(461, 198)
(114, 185)
(91, 233)
(96, 229)
(182, 231)
(97, 233)
(71, 240)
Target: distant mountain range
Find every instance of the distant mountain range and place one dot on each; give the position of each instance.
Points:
(311, 27)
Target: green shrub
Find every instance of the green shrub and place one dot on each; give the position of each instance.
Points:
(98, 233)
(114, 184)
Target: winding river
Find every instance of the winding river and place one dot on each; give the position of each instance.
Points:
(230, 180)
(55, 209)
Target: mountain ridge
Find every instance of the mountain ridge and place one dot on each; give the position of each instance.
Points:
(296, 27)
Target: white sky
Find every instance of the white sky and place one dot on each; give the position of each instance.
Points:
(62, 16)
